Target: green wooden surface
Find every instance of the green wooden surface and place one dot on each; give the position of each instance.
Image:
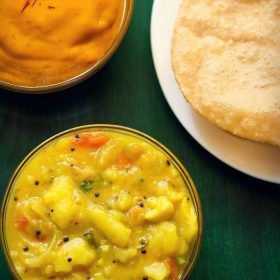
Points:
(241, 214)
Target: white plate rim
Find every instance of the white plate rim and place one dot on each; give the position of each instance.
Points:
(171, 101)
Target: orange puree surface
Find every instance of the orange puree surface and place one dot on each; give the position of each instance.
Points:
(44, 42)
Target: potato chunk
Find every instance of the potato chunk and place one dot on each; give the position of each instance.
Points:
(133, 151)
(123, 202)
(106, 156)
(99, 276)
(112, 228)
(136, 216)
(61, 198)
(38, 207)
(186, 220)
(160, 209)
(76, 252)
(165, 188)
(124, 255)
(164, 241)
(157, 271)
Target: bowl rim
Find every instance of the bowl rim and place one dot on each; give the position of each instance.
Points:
(127, 14)
(121, 130)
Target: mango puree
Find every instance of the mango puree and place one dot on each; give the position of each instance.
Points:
(46, 42)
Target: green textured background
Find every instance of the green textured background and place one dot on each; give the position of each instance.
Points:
(241, 214)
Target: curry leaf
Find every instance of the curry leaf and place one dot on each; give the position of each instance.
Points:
(86, 185)
(90, 237)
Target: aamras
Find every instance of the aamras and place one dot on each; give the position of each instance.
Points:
(47, 42)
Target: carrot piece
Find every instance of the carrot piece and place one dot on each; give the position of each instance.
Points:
(88, 140)
(42, 239)
(173, 268)
(122, 161)
(21, 223)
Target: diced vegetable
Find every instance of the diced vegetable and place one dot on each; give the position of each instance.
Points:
(165, 188)
(152, 163)
(60, 198)
(89, 235)
(183, 246)
(38, 207)
(108, 271)
(160, 208)
(133, 151)
(186, 220)
(99, 276)
(128, 156)
(113, 229)
(107, 155)
(88, 140)
(180, 260)
(86, 185)
(124, 255)
(119, 216)
(164, 240)
(76, 252)
(21, 223)
(157, 271)
(123, 202)
(122, 161)
(137, 215)
(173, 268)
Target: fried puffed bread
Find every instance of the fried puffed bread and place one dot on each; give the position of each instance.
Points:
(226, 60)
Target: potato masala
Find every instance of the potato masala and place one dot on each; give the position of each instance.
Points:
(100, 205)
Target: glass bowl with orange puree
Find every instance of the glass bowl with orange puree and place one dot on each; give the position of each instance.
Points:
(50, 45)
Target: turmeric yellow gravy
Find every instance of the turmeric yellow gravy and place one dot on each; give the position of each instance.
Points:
(44, 42)
(98, 206)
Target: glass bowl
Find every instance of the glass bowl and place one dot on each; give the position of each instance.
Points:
(127, 13)
(194, 197)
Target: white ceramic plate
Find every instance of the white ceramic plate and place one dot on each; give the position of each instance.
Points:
(258, 160)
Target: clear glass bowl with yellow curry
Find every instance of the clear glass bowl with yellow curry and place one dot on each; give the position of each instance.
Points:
(51, 45)
(101, 202)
